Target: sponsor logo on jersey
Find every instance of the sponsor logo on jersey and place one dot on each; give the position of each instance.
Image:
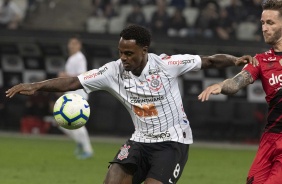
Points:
(123, 152)
(138, 100)
(166, 57)
(271, 59)
(141, 85)
(145, 110)
(181, 62)
(154, 71)
(275, 79)
(154, 82)
(162, 135)
(128, 87)
(90, 75)
(268, 52)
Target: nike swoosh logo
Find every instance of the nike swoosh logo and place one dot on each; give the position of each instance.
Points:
(128, 87)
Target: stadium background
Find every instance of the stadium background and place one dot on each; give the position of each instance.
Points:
(37, 50)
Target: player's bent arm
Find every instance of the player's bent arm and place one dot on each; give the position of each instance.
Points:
(62, 84)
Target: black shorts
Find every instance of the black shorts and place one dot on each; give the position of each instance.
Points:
(163, 161)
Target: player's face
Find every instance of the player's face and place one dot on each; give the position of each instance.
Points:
(133, 57)
(271, 27)
(74, 46)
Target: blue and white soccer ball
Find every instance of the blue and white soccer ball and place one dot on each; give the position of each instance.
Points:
(71, 111)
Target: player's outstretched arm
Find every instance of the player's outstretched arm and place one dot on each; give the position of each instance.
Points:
(225, 60)
(227, 87)
(62, 84)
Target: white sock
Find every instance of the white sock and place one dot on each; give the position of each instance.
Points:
(80, 136)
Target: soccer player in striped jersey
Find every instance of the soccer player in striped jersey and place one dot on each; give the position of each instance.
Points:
(267, 165)
(146, 84)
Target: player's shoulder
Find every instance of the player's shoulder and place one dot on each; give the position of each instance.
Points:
(158, 60)
(179, 59)
(79, 55)
(265, 55)
(115, 66)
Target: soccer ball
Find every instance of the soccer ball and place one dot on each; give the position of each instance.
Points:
(71, 111)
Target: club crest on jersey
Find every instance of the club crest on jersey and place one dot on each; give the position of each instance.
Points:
(270, 64)
(123, 152)
(155, 83)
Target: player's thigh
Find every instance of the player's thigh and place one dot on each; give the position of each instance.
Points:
(118, 173)
(275, 175)
(125, 163)
(267, 164)
(167, 165)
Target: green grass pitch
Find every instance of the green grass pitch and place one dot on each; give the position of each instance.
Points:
(45, 160)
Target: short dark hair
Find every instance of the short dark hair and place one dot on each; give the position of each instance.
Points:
(273, 5)
(76, 36)
(140, 34)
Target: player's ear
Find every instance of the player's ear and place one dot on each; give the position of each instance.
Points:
(145, 49)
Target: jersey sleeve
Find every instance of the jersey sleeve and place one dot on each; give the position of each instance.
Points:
(254, 71)
(179, 64)
(98, 79)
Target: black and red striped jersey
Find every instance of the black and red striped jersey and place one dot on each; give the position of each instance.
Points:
(269, 71)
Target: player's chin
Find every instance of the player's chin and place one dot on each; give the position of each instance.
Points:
(127, 68)
(268, 40)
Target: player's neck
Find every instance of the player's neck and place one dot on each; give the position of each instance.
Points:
(73, 52)
(278, 46)
(139, 70)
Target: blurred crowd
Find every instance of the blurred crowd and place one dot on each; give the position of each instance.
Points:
(194, 18)
(10, 15)
(222, 19)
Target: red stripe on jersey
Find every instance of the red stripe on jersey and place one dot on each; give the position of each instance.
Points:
(269, 71)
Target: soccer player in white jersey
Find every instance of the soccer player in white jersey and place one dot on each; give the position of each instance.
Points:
(146, 84)
(75, 65)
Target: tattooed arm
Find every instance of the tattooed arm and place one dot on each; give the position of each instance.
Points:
(229, 86)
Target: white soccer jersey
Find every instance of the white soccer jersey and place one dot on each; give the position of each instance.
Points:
(153, 99)
(76, 65)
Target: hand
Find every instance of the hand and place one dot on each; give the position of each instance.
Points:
(246, 59)
(213, 89)
(24, 89)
